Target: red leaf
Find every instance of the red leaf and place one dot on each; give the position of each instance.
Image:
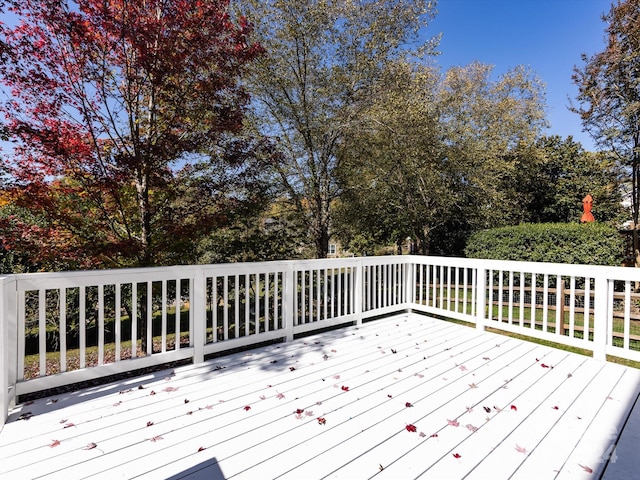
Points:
(411, 428)
(555, 407)
(292, 368)
(68, 425)
(453, 423)
(149, 423)
(170, 389)
(156, 438)
(514, 408)
(408, 404)
(434, 435)
(456, 455)
(299, 411)
(345, 389)
(322, 420)
(90, 446)
(520, 449)
(586, 469)
(247, 408)
(280, 396)
(186, 400)
(543, 365)
(201, 449)
(54, 443)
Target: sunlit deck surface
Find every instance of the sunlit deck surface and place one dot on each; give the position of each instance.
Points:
(402, 397)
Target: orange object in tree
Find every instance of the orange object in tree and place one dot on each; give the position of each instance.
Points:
(587, 203)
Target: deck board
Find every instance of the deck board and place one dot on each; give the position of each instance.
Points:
(483, 406)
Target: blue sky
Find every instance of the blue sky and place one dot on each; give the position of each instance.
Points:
(546, 35)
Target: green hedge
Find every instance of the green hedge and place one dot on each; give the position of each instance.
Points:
(590, 244)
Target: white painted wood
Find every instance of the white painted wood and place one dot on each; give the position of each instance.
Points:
(445, 371)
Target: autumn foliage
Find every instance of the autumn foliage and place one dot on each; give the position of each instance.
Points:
(119, 112)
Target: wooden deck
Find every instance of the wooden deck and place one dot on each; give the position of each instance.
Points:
(403, 397)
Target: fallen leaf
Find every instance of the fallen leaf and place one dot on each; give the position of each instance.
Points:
(262, 397)
(422, 434)
(453, 423)
(201, 449)
(408, 404)
(543, 365)
(186, 400)
(25, 416)
(90, 446)
(473, 385)
(54, 443)
(463, 368)
(280, 396)
(471, 428)
(520, 449)
(170, 389)
(411, 428)
(117, 404)
(152, 392)
(69, 425)
(514, 408)
(487, 409)
(322, 420)
(380, 467)
(456, 455)
(434, 435)
(555, 407)
(149, 423)
(585, 468)
(247, 408)
(156, 438)
(292, 368)
(337, 377)
(345, 388)
(140, 387)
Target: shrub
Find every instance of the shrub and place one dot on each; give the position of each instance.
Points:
(590, 244)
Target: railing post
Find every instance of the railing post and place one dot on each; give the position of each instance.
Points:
(8, 342)
(409, 283)
(358, 291)
(199, 298)
(481, 295)
(600, 317)
(288, 302)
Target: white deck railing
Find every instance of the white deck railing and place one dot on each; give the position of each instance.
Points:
(190, 312)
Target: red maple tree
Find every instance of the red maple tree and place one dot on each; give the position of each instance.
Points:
(117, 111)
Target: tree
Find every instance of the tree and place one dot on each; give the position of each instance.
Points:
(439, 155)
(489, 128)
(322, 60)
(609, 95)
(396, 182)
(553, 188)
(115, 108)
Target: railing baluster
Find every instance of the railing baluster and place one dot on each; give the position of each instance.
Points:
(163, 333)
(62, 298)
(100, 324)
(42, 331)
(83, 327)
